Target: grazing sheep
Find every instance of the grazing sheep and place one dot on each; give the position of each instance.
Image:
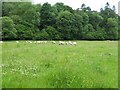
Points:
(41, 42)
(45, 41)
(74, 43)
(1, 41)
(61, 43)
(70, 43)
(30, 41)
(38, 41)
(66, 43)
(17, 41)
(35, 41)
(53, 42)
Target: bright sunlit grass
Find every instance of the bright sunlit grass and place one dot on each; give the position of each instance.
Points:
(89, 64)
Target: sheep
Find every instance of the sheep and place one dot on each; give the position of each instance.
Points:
(74, 43)
(61, 43)
(38, 41)
(17, 41)
(35, 41)
(41, 42)
(66, 43)
(1, 41)
(45, 41)
(70, 43)
(53, 42)
(30, 41)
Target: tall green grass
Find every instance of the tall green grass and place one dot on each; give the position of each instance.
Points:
(90, 64)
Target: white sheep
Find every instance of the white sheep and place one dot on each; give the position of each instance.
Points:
(17, 41)
(38, 41)
(30, 41)
(53, 42)
(74, 43)
(70, 43)
(66, 43)
(35, 41)
(1, 41)
(61, 43)
(41, 42)
(45, 41)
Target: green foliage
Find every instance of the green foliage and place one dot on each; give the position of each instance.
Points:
(112, 31)
(89, 32)
(46, 15)
(65, 23)
(9, 32)
(77, 27)
(85, 18)
(33, 21)
(43, 35)
(24, 32)
(52, 32)
(96, 20)
(7, 8)
(119, 27)
(61, 7)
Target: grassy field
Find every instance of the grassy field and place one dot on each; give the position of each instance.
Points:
(89, 64)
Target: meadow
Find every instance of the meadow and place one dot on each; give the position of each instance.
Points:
(89, 64)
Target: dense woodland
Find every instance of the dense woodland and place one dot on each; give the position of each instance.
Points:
(28, 21)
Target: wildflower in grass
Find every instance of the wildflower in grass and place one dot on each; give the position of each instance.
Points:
(4, 73)
(17, 41)
(22, 72)
(14, 70)
(2, 65)
(34, 75)
(18, 68)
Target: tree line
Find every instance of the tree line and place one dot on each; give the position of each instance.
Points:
(28, 21)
